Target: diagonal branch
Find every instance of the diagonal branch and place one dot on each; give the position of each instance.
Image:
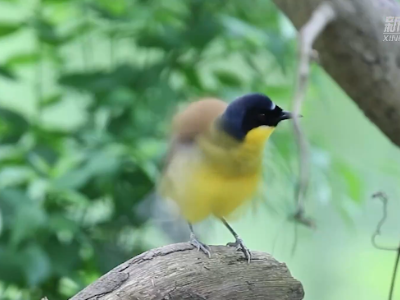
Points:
(353, 53)
(321, 17)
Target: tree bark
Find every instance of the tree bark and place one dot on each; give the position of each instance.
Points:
(351, 49)
(178, 271)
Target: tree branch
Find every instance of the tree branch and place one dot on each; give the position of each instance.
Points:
(179, 272)
(320, 18)
(352, 51)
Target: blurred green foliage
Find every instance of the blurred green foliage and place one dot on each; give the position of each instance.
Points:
(68, 194)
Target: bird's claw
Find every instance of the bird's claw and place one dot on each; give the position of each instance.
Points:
(199, 245)
(240, 246)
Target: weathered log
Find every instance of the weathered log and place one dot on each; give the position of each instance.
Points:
(178, 271)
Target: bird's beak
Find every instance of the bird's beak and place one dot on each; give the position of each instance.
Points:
(285, 115)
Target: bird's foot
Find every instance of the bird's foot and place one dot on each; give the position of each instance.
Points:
(199, 245)
(240, 246)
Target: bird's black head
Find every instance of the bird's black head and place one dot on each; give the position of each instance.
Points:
(251, 111)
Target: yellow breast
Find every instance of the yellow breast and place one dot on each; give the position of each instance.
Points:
(215, 179)
(212, 193)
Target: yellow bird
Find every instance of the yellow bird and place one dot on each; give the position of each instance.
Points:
(215, 157)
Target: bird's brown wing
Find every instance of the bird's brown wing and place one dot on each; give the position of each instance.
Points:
(192, 121)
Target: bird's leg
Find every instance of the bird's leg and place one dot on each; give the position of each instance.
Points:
(197, 244)
(238, 243)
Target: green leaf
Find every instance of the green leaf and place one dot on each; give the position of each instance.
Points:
(47, 153)
(65, 257)
(192, 77)
(36, 264)
(7, 28)
(12, 125)
(46, 32)
(80, 30)
(16, 120)
(29, 219)
(106, 13)
(60, 223)
(5, 72)
(12, 270)
(228, 78)
(38, 164)
(14, 175)
(73, 179)
(132, 185)
(101, 163)
(22, 59)
(168, 39)
(200, 34)
(279, 48)
(23, 218)
(352, 180)
(48, 101)
(55, 1)
(100, 81)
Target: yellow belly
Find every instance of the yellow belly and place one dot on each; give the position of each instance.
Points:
(213, 180)
(211, 193)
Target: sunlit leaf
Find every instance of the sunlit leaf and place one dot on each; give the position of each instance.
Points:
(110, 14)
(14, 175)
(8, 28)
(54, 99)
(353, 182)
(22, 59)
(55, 1)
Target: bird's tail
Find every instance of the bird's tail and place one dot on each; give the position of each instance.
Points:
(164, 215)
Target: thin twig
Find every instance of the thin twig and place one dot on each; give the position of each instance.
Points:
(384, 199)
(392, 284)
(321, 17)
(382, 196)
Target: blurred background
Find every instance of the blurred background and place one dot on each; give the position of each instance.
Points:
(87, 90)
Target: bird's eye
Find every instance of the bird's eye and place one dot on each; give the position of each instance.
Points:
(261, 117)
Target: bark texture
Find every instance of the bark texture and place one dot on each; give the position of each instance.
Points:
(178, 271)
(351, 49)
